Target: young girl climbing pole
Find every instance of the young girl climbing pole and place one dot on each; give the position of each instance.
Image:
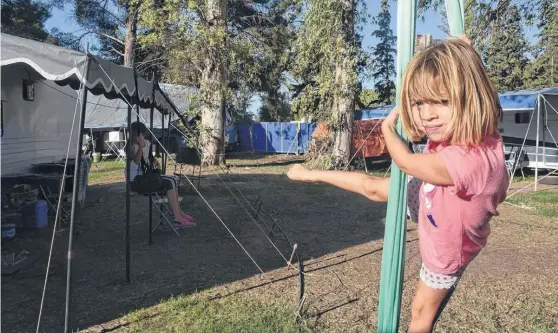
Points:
(458, 180)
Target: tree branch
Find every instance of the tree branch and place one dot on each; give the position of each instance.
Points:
(121, 42)
(116, 51)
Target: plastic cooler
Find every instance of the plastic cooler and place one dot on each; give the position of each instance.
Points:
(35, 214)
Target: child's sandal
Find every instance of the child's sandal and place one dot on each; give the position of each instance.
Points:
(185, 223)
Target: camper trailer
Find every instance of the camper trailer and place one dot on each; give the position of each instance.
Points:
(530, 116)
(41, 101)
(36, 126)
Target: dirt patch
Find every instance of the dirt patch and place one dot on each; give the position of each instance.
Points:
(510, 287)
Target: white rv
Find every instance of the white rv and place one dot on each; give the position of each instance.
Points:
(37, 118)
(40, 98)
(530, 122)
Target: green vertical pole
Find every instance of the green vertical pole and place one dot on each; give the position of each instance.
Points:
(456, 16)
(393, 256)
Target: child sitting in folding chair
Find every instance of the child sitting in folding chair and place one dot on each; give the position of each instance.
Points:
(146, 179)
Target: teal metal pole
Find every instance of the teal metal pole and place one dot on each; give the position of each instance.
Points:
(456, 17)
(393, 256)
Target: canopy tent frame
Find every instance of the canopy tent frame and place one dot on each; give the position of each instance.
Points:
(541, 101)
(536, 102)
(131, 101)
(87, 74)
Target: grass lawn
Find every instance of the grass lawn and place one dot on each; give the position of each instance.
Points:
(234, 314)
(543, 203)
(507, 289)
(104, 171)
(203, 282)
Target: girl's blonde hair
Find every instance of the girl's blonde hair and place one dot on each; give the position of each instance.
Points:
(452, 71)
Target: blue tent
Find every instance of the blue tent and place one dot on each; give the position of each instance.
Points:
(374, 113)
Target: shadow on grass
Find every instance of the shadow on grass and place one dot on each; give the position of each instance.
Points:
(319, 218)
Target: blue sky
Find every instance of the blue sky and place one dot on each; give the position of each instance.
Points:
(62, 20)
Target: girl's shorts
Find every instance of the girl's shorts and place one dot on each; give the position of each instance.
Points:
(169, 182)
(440, 281)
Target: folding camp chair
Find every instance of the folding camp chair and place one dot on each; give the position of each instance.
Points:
(116, 146)
(114, 149)
(166, 218)
(161, 204)
(514, 160)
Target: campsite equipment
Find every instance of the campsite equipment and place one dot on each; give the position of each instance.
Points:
(35, 214)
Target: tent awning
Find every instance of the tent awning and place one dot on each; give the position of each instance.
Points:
(524, 99)
(67, 67)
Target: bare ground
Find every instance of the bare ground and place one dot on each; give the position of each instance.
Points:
(510, 287)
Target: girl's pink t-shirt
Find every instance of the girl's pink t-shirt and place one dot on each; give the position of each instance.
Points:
(453, 223)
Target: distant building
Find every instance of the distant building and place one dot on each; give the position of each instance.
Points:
(424, 41)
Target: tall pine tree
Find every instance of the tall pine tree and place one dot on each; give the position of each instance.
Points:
(543, 70)
(383, 63)
(505, 51)
(25, 18)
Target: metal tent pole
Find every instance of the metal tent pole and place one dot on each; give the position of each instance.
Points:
(168, 144)
(151, 131)
(537, 143)
(75, 190)
(128, 154)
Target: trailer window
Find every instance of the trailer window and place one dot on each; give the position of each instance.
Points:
(522, 118)
(28, 89)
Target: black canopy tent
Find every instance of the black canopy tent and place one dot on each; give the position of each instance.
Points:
(88, 73)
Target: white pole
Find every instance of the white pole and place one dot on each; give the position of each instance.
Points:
(537, 143)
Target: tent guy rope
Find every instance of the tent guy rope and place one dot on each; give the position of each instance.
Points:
(56, 217)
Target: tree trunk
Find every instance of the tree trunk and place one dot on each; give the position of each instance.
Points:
(131, 34)
(213, 86)
(345, 80)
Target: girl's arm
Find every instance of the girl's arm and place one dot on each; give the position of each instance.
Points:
(374, 188)
(427, 167)
(137, 156)
(141, 145)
